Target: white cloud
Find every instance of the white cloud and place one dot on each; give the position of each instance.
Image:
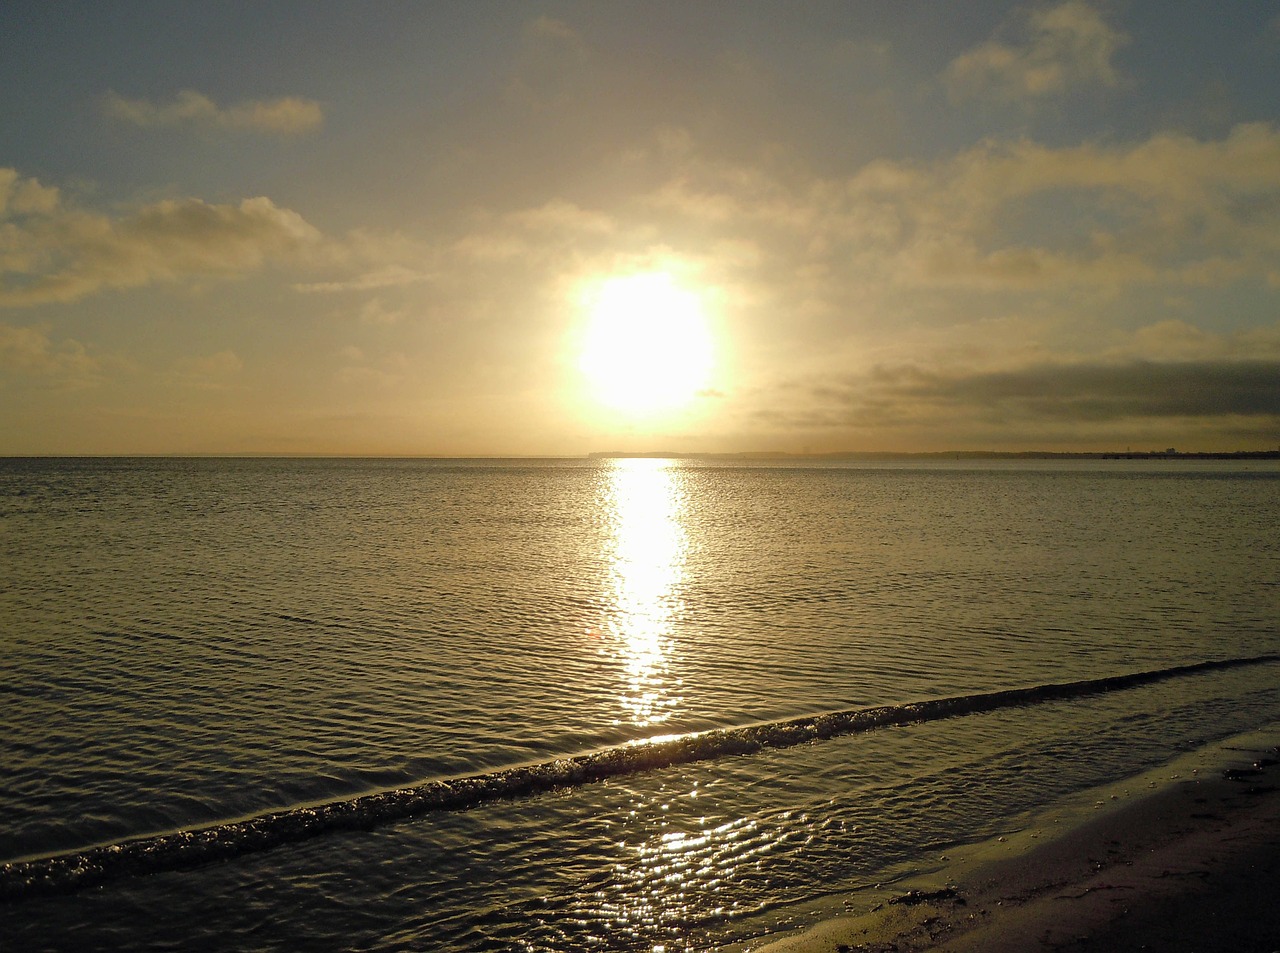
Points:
(30, 351)
(1170, 208)
(284, 116)
(559, 215)
(1008, 214)
(375, 312)
(363, 371)
(368, 260)
(535, 233)
(1174, 340)
(1064, 46)
(209, 372)
(53, 252)
(386, 276)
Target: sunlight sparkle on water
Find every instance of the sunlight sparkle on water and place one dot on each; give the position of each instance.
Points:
(648, 552)
(677, 860)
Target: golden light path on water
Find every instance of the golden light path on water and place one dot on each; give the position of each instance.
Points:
(649, 544)
(675, 861)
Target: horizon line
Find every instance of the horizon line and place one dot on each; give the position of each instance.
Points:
(1170, 453)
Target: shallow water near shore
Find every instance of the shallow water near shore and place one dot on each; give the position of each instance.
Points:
(1178, 857)
(194, 642)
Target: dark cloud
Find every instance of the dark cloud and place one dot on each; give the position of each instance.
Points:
(1098, 392)
(1074, 395)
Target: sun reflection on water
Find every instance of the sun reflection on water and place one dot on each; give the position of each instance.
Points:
(679, 860)
(645, 503)
(680, 868)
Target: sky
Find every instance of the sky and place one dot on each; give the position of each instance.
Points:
(399, 228)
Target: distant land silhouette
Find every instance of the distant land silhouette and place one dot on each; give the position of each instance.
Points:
(1169, 454)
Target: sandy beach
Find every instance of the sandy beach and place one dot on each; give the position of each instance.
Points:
(1186, 858)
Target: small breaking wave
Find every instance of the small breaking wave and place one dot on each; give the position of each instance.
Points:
(73, 871)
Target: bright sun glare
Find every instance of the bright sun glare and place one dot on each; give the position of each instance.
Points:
(647, 347)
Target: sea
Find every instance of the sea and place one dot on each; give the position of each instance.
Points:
(586, 704)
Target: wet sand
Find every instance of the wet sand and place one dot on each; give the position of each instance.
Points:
(1172, 862)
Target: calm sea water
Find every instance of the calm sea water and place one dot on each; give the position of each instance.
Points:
(192, 643)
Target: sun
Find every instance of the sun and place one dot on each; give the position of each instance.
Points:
(647, 346)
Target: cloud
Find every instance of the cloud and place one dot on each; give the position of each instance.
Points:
(370, 260)
(1170, 208)
(558, 215)
(1100, 392)
(209, 372)
(386, 276)
(1174, 340)
(550, 64)
(1006, 215)
(548, 230)
(19, 196)
(362, 371)
(31, 352)
(285, 116)
(1042, 403)
(1064, 46)
(374, 312)
(53, 252)
(821, 270)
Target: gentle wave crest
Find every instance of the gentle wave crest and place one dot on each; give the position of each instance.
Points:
(67, 872)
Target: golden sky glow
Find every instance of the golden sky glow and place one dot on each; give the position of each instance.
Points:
(902, 225)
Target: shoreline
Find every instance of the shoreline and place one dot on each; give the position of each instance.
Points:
(1184, 857)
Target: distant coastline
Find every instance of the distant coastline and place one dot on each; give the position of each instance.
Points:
(1169, 454)
(748, 455)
